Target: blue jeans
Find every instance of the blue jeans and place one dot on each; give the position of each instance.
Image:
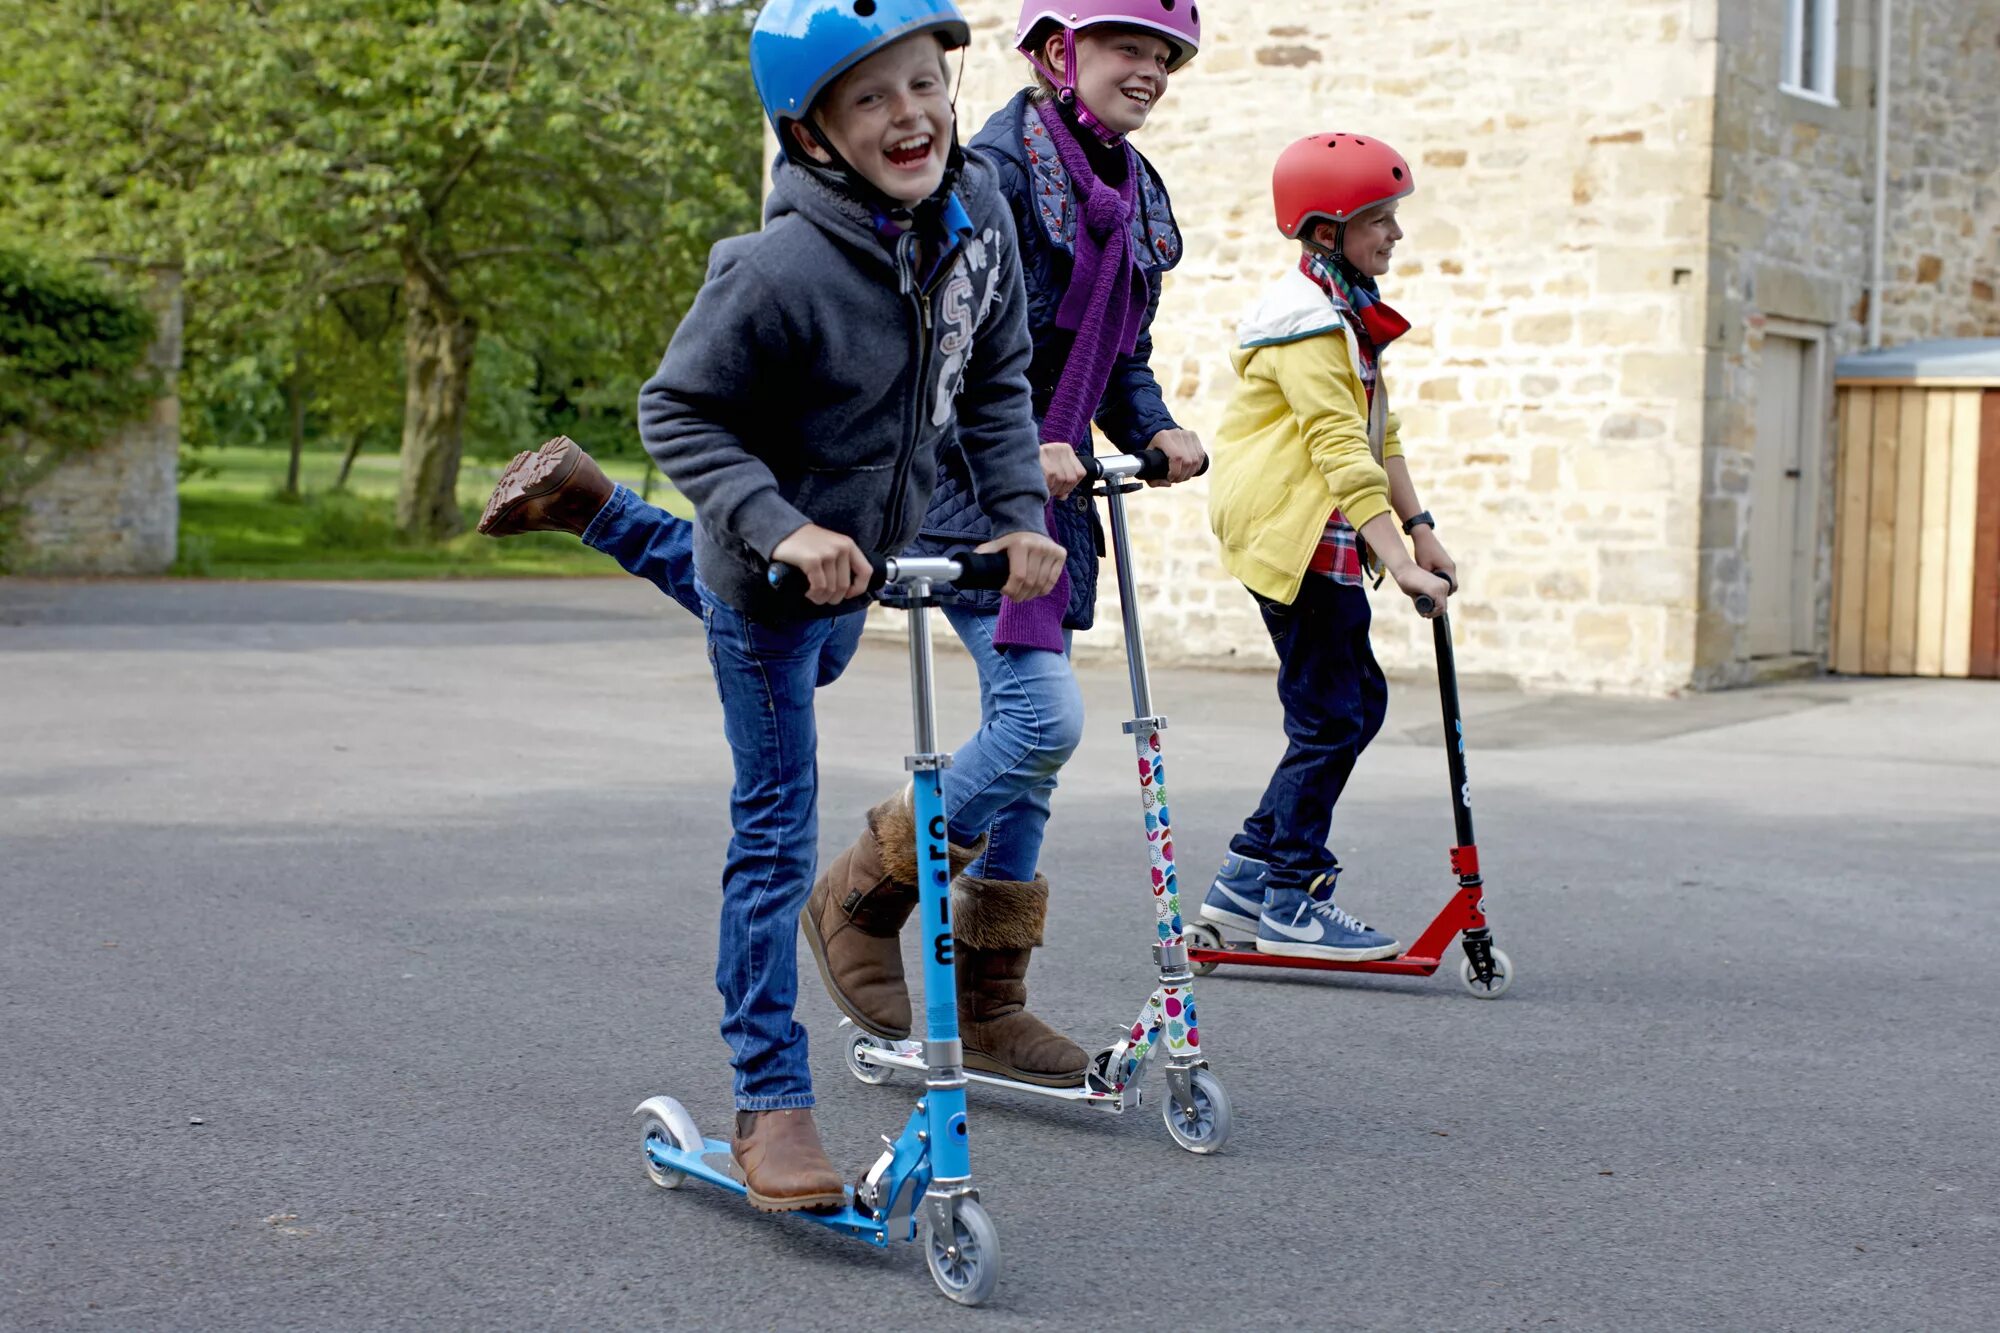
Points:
(766, 675)
(1030, 709)
(1334, 697)
(1030, 720)
(649, 542)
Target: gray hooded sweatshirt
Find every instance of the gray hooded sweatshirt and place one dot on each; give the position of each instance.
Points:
(819, 371)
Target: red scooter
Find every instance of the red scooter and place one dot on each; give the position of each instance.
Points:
(1486, 970)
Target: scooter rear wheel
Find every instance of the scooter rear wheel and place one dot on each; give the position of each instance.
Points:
(967, 1264)
(668, 1121)
(865, 1070)
(1203, 936)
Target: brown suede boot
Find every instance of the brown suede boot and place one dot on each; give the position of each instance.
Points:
(784, 1167)
(558, 488)
(858, 907)
(997, 924)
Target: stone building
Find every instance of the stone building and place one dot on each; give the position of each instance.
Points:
(116, 509)
(1640, 235)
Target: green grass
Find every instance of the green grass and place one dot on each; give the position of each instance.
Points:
(236, 525)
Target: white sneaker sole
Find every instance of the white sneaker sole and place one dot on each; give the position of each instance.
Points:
(1290, 950)
(1221, 917)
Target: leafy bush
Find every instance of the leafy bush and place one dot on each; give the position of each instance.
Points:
(72, 355)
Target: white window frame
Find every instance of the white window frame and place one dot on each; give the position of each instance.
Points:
(1815, 85)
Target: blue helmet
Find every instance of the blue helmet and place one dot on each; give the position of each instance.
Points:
(798, 47)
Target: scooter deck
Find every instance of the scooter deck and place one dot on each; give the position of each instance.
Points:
(1463, 912)
(909, 1055)
(1408, 965)
(668, 1157)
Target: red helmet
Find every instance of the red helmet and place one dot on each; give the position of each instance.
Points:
(1331, 177)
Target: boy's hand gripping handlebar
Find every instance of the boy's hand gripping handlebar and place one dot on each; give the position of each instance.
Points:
(969, 570)
(1426, 603)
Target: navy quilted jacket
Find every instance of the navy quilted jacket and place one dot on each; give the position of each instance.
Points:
(1132, 411)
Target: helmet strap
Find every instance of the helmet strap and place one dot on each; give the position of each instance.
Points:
(1066, 90)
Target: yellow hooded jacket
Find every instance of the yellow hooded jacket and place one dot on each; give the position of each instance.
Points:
(1298, 440)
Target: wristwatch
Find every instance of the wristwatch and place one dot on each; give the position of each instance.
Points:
(1415, 521)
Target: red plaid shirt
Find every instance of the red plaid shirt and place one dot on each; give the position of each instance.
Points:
(1338, 555)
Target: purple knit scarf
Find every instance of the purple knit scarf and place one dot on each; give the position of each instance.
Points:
(1105, 305)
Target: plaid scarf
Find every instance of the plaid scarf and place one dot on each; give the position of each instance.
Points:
(1360, 300)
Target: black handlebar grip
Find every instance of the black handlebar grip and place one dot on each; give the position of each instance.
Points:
(1153, 466)
(791, 581)
(976, 571)
(786, 580)
(1427, 603)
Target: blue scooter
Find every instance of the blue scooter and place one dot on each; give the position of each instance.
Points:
(922, 1182)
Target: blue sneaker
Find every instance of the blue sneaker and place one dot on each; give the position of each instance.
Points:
(1236, 897)
(1304, 923)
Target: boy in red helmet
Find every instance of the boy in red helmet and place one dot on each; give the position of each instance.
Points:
(1308, 488)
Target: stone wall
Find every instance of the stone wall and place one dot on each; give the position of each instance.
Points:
(1552, 393)
(115, 509)
(1792, 217)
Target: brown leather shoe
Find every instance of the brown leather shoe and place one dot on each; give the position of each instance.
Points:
(997, 925)
(784, 1167)
(557, 488)
(857, 909)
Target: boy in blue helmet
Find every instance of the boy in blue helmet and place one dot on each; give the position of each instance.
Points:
(800, 406)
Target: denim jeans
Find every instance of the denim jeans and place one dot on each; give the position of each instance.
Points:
(1030, 709)
(766, 675)
(1334, 698)
(1030, 720)
(649, 542)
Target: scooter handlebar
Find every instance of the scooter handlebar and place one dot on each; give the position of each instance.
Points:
(1427, 603)
(969, 569)
(1146, 465)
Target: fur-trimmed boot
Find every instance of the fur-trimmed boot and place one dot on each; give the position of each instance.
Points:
(997, 924)
(858, 907)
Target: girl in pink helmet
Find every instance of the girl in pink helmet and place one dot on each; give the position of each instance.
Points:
(1308, 490)
(1095, 232)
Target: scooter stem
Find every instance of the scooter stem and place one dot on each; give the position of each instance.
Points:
(1135, 642)
(1454, 731)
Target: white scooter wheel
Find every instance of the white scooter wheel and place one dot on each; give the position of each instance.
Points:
(1503, 977)
(1202, 935)
(966, 1264)
(668, 1121)
(1204, 1128)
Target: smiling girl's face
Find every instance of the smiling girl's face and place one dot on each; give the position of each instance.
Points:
(1121, 73)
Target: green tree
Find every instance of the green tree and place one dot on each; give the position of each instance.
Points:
(551, 174)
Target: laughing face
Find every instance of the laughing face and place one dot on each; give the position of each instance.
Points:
(1121, 73)
(890, 118)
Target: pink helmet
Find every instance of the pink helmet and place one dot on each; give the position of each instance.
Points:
(1178, 21)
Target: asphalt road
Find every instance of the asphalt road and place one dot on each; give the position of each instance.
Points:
(342, 926)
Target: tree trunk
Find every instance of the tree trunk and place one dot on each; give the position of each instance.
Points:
(438, 341)
(295, 393)
(347, 459)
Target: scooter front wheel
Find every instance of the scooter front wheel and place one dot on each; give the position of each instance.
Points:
(1203, 936)
(1204, 1127)
(966, 1264)
(1493, 989)
(667, 1121)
